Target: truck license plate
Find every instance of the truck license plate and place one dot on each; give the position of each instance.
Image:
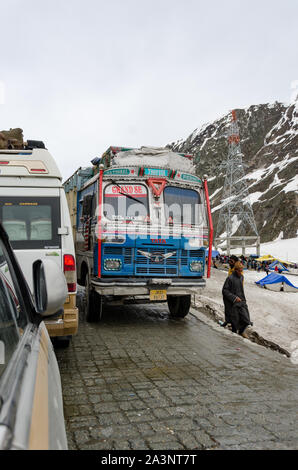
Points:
(158, 295)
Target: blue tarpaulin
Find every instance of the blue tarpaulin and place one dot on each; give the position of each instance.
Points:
(277, 282)
(215, 254)
(279, 265)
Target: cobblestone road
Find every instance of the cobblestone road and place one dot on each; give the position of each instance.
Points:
(139, 380)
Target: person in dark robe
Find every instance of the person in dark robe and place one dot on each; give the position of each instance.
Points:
(233, 259)
(235, 302)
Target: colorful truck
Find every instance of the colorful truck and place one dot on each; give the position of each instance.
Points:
(143, 229)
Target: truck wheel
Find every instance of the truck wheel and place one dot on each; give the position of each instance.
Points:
(93, 303)
(179, 305)
(62, 341)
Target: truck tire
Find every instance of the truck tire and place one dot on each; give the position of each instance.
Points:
(179, 305)
(61, 341)
(93, 303)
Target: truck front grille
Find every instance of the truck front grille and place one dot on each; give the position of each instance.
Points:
(126, 253)
(154, 263)
(186, 255)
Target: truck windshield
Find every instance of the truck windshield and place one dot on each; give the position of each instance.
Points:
(126, 202)
(181, 206)
(31, 222)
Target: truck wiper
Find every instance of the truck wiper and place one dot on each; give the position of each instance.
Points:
(127, 195)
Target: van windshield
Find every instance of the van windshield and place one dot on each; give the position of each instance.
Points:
(31, 222)
(126, 202)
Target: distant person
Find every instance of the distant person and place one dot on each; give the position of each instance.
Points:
(276, 269)
(266, 269)
(232, 260)
(236, 309)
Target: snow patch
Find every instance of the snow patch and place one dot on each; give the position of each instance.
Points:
(235, 224)
(253, 197)
(255, 175)
(274, 314)
(284, 249)
(292, 185)
(215, 192)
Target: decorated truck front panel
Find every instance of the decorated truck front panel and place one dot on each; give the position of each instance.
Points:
(137, 242)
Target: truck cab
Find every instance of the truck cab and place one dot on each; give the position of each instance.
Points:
(142, 229)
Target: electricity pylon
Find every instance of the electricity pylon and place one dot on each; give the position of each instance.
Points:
(236, 214)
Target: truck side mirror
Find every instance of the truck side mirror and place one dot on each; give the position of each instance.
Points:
(49, 287)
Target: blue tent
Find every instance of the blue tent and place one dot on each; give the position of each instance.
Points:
(279, 265)
(277, 282)
(215, 253)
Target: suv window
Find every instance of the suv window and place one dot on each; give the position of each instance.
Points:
(13, 316)
(9, 332)
(12, 287)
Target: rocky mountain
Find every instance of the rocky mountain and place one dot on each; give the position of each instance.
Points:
(269, 143)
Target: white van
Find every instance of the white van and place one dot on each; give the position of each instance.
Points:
(34, 212)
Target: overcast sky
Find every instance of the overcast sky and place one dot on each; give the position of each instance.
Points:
(86, 74)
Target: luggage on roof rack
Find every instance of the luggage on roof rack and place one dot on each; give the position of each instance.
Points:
(12, 139)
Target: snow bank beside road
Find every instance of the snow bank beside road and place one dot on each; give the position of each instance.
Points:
(274, 314)
(286, 250)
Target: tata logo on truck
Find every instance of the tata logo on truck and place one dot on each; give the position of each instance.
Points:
(158, 240)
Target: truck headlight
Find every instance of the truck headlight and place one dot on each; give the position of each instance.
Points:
(196, 266)
(112, 264)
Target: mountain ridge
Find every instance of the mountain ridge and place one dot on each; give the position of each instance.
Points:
(269, 143)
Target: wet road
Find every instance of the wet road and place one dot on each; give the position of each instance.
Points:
(140, 380)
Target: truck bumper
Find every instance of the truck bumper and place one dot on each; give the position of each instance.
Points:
(131, 287)
(66, 324)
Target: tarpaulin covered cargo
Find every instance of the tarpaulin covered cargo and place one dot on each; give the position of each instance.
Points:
(277, 282)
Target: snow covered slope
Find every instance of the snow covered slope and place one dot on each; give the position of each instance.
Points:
(269, 142)
(283, 249)
(274, 314)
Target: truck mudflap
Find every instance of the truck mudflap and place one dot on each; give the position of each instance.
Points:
(66, 324)
(132, 286)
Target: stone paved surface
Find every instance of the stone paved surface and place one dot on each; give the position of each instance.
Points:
(139, 380)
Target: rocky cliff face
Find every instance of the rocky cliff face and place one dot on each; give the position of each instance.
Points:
(269, 143)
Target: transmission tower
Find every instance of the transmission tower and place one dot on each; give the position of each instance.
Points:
(236, 214)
